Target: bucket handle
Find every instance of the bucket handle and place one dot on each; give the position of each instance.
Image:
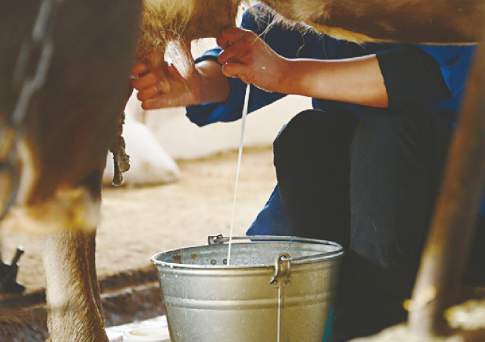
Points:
(214, 240)
(220, 239)
(282, 270)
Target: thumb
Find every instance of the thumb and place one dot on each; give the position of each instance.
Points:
(236, 70)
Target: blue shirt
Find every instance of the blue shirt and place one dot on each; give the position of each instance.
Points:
(420, 77)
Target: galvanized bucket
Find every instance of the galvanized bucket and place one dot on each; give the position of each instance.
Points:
(275, 289)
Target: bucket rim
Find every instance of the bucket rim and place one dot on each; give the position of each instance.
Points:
(318, 257)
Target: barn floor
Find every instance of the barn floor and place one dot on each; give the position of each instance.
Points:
(139, 222)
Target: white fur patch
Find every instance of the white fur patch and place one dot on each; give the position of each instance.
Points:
(68, 209)
(58, 275)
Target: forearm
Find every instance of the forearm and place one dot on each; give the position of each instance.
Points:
(214, 86)
(356, 80)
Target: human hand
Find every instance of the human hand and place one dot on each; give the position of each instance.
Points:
(161, 85)
(249, 58)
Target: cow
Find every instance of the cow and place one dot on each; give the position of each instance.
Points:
(407, 21)
(72, 120)
(63, 142)
(411, 21)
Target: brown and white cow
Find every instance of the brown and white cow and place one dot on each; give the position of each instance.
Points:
(72, 121)
(69, 127)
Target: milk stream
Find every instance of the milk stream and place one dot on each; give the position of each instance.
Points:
(280, 294)
(238, 171)
(279, 313)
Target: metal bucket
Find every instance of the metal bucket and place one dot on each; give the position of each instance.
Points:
(276, 289)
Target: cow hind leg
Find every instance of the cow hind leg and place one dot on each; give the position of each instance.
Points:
(74, 305)
(93, 277)
(72, 296)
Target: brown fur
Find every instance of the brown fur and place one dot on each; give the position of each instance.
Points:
(353, 20)
(68, 130)
(183, 20)
(447, 21)
(72, 122)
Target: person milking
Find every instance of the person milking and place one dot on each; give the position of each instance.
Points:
(362, 167)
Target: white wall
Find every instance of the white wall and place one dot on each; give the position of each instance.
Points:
(184, 140)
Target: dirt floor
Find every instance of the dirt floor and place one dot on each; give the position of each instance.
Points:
(140, 222)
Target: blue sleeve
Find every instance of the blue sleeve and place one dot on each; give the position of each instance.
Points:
(285, 41)
(412, 78)
(425, 77)
(454, 63)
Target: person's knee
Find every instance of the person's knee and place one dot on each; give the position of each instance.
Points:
(396, 161)
(296, 128)
(310, 130)
(395, 131)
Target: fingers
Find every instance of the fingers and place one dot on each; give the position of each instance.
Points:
(236, 70)
(162, 101)
(151, 89)
(147, 81)
(138, 70)
(232, 35)
(161, 86)
(235, 53)
(157, 79)
(148, 93)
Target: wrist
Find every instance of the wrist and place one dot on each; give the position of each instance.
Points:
(211, 84)
(302, 78)
(288, 77)
(198, 81)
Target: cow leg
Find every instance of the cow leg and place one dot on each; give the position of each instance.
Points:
(93, 277)
(72, 294)
(73, 299)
